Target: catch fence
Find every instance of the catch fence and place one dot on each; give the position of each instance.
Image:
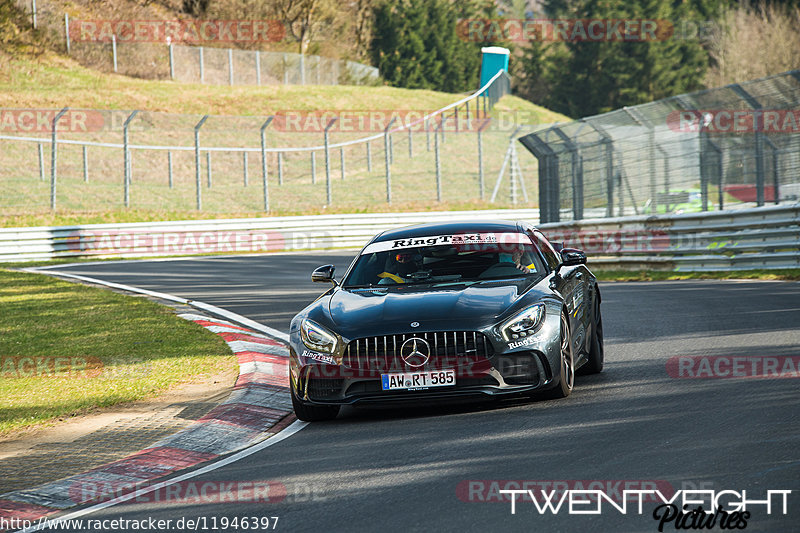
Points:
(91, 160)
(731, 147)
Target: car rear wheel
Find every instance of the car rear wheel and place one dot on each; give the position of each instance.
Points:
(567, 371)
(594, 365)
(312, 413)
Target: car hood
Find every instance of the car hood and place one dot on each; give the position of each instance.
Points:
(364, 312)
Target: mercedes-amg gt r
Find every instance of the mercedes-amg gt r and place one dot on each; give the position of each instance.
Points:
(447, 312)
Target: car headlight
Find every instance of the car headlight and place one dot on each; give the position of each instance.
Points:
(524, 323)
(316, 337)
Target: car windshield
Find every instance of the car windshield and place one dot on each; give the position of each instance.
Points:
(444, 259)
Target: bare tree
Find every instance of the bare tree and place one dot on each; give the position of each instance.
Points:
(753, 42)
(304, 19)
(362, 26)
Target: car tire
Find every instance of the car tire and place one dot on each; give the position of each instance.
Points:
(312, 413)
(566, 379)
(594, 364)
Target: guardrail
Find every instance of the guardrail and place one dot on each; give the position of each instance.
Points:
(149, 239)
(756, 238)
(765, 237)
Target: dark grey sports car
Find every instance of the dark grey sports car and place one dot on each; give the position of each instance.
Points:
(447, 312)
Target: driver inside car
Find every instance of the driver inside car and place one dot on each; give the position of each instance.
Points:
(508, 263)
(399, 266)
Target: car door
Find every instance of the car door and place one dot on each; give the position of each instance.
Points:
(571, 285)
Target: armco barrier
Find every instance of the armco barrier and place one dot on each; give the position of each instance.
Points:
(764, 237)
(756, 238)
(149, 239)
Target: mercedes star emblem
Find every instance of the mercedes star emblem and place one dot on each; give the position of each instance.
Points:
(415, 351)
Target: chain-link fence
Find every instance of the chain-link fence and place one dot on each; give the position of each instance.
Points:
(735, 146)
(172, 163)
(138, 48)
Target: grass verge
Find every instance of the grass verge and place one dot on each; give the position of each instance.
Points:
(67, 348)
(788, 274)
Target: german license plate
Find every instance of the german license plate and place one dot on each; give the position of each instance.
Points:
(418, 380)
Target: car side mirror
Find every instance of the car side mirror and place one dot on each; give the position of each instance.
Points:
(323, 274)
(569, 257)
(572, 257)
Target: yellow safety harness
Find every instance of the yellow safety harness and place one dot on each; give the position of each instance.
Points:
(391, 276)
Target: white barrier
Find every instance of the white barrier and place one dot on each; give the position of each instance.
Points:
(756, 238)
(765, 237)
(149, 239)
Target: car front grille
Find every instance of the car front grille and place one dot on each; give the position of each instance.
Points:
(448, 349)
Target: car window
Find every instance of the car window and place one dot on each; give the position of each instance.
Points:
(550, 255)
(446, 259)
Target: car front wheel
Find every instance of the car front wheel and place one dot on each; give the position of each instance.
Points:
(567, 362)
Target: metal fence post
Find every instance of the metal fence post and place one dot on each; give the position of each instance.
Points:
(202, 67)
(758, 132)
(280, 168)
(369, 156)
(775, 169)
(387, 143)
(33, 12)
(265, 184)
(53, 159)
(244, 167)
(66, 28)
(171, 62)
(328, 160)
(285, 71)
(114, 50)
(410, 144)
(341, 159)
(441, 127)
(258, 67)
(609, 144)
(41, 161)
(169, 167)
(313, 167)
(127, 158)
(208, 169)
(230, 66)
(85, 165)
(302, 69)
(427, 125)
(391, 150)
(438, 167)
(198, 188)
(480, 160)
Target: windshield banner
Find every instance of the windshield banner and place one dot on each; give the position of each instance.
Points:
(462, 241)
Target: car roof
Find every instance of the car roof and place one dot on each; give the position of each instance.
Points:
(450, 228)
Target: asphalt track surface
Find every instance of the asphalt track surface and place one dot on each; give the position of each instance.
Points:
(401, 470)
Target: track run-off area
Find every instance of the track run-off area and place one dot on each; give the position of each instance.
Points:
(675, 409)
